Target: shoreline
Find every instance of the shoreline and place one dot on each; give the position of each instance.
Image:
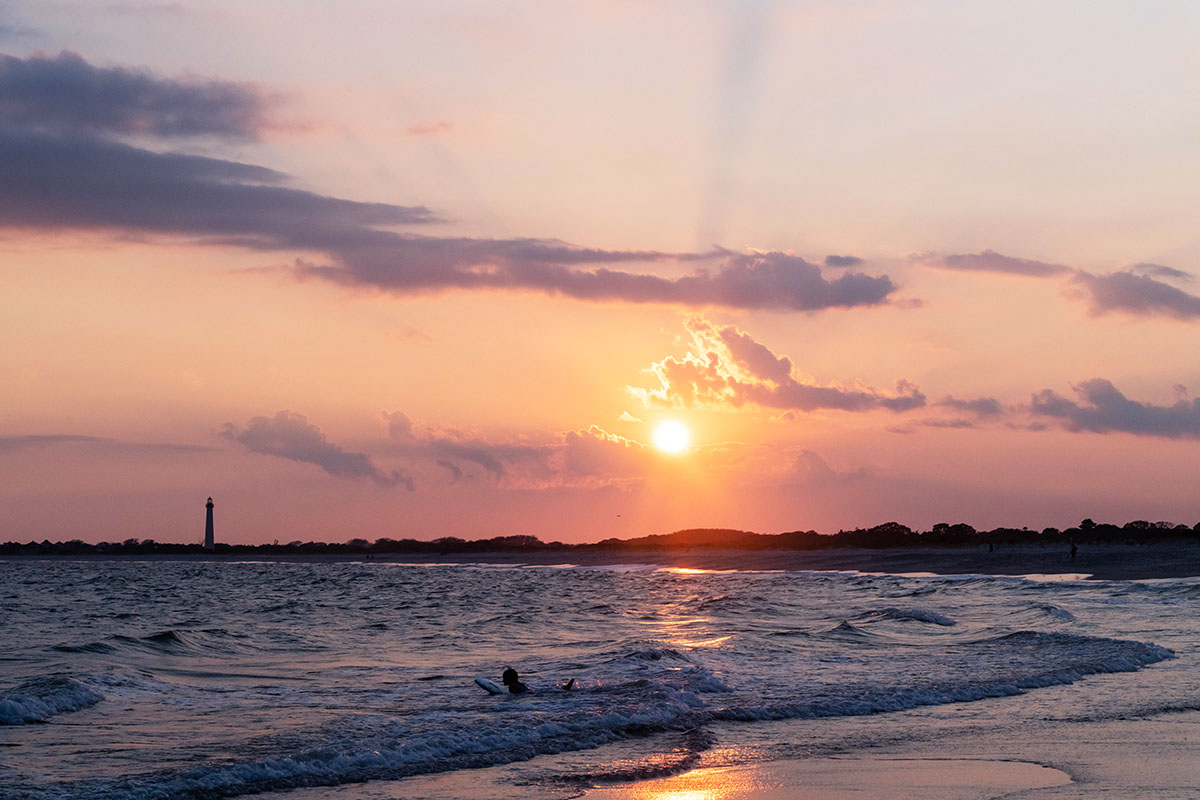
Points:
(1093, 562)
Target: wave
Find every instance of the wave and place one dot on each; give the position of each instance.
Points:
(671, 697)
(167, 642)
(908, 614)
(39, 699)
(655, 654)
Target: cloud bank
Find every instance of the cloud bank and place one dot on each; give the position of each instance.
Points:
(63, 166)
(726, 367)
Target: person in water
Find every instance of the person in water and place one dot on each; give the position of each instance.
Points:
(513, 681)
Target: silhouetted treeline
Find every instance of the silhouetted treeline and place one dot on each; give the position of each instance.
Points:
(887, 535)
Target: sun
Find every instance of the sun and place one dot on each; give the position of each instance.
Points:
(672, 436)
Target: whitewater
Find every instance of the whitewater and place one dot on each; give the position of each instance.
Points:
(205, 679)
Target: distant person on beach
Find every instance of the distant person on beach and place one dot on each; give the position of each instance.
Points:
(1073, 551)
(513, 681)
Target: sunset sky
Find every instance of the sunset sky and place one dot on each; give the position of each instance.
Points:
(422, 269)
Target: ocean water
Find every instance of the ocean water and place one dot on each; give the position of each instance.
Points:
(206, 679)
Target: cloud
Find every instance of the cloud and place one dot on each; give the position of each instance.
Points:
(61, 167)
(758, 281)
(66, 94)
(595, 453)
(813, 469)
(980, 406)
(26, 441)
(1159, 271)
(1139, 295)
(49, 181)
(289, 435)
(1135, 290)
(728, 368)
(991, 261)
(456, 473)
(588, 457)
(451, 449)
(30, 441)
(842, 261)
(1104, 409)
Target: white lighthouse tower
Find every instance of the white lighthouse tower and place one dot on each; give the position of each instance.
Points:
(208, 527)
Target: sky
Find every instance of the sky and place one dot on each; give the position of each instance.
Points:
(425, 269)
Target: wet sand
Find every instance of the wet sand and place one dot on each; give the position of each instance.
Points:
(1142, 759)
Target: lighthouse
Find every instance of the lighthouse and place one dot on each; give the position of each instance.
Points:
(208, 526)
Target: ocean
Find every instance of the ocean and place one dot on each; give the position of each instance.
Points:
(308, 679)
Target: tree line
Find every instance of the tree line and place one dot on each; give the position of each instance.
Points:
(887, 535)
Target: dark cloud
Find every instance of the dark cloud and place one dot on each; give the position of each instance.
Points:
(68, 95)
(727, 367)
(1139, 295)
(980, 406)
(59, 171)
(456, 473)
(771, 281)
(289, 435)
(953, 424)
(1159, 271)
(51, 182)
(1101, 408)
(991, 261)
(842, 261)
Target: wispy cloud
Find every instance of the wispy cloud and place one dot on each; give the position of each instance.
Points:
(1137, 290)
(991, 261)
(39, 440)
(726, 367)
(1160, 271)
(291, 436)
(1102, 408)
(585, 457)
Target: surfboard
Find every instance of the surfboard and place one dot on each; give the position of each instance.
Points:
(489, 686)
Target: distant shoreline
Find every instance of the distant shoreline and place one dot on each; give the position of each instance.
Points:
(1103, 561)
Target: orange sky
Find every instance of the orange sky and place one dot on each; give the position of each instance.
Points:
(440, 269)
